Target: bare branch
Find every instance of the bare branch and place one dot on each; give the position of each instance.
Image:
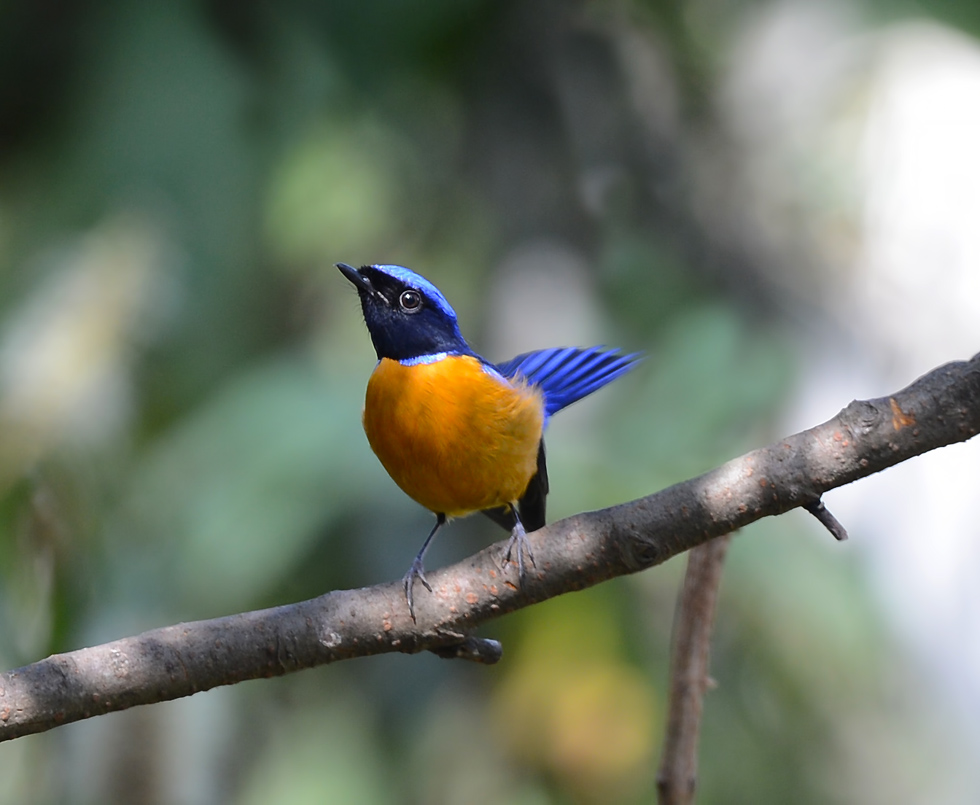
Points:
(939, 409)
(827, 520)
(677, 778)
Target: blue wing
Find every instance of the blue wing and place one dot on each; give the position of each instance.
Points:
(567, 374)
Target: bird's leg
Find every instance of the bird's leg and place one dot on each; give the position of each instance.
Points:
(417, 570)
(518, 539)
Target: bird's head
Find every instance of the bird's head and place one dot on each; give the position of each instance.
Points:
(407, 316)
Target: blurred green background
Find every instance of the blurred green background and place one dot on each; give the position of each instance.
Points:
(182, 373)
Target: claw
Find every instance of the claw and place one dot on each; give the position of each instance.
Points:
(518, 539)
(416, 570)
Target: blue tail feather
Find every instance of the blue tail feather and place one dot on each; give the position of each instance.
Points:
(567, 374)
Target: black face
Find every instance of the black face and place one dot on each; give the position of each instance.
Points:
(407, 316)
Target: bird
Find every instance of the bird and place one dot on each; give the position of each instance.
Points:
(458, 433)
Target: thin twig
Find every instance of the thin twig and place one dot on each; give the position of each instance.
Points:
(677, 778)
(827, 520)
(939, 409)
(475, 649)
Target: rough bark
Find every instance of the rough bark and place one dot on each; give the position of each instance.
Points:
(940, 408)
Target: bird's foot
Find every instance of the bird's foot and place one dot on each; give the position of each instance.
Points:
(416, 570)
(518, 539)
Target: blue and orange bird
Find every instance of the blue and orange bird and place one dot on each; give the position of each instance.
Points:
(457, 433)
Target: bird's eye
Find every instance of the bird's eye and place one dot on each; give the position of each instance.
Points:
(410, 300)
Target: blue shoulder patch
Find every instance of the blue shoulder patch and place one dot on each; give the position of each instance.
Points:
(493, 371)
(433, 357)
(410, 277)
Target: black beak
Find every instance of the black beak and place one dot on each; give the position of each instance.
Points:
(361, 282)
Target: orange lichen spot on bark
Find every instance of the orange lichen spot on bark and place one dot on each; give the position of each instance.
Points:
(900, 419)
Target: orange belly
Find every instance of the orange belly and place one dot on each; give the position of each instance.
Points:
(454, 437)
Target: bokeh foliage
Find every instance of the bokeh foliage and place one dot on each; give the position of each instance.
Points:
(182, 370)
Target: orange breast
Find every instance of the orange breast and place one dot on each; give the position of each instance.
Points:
(454, 437)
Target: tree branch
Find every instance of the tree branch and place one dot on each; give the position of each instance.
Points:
(940, 408)
(677, 778)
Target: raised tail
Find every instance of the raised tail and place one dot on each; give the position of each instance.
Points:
(567, 374)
